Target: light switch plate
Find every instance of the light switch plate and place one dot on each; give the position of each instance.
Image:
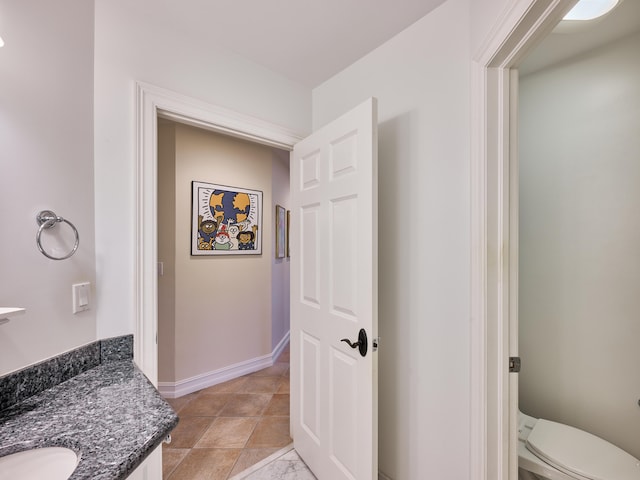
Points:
(81, 298)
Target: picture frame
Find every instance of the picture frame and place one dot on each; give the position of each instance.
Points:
(225, 220)
(281, 227)
(288, 230)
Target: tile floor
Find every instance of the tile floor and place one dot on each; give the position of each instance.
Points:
(282, 465)
(227, 428)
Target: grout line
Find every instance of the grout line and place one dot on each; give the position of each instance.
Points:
(244, 446)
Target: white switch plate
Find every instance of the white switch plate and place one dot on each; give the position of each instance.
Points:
(80, 294)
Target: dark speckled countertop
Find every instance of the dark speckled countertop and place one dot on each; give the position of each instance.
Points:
(108, 413)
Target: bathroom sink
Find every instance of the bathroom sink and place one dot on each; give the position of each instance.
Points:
(52, 463)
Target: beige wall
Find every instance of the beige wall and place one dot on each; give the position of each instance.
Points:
(167, 249)
(580, 243)
(280, 271)
(227, 309)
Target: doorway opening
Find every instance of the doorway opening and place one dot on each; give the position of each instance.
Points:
(223, 310)
(494, 273)
(152, 103)
(494, 235)
(578, 118)
(338, 141)
(230, 388)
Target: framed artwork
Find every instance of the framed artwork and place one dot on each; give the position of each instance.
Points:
(288, 226)
(280, 231)
(225, 220)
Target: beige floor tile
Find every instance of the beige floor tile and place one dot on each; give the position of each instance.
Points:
(205, 405)
(230, 386)
(228, 432)
(246, 405)
(171, 457)
(278, 406)
(261, 385)
(270, 432)
(178, 403)
(284, 386)
(250, 411)
(189, 431)
(251, 456)
(206, 464)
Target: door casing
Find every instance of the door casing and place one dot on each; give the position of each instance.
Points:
(151, 102)
(494, 223)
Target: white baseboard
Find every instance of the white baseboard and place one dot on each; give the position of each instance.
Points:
(209, 379)
(280, 347)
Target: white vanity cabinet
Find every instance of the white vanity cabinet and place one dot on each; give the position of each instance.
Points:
(151, 468)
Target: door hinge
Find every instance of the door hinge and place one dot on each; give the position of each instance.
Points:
(514, 364)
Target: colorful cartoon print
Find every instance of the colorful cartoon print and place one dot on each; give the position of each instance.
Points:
(226, 220)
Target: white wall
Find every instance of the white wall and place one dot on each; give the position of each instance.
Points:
(580, 243)
(46, 162)
(484, 16)
(131, 45)
(223, 307)
(421, 79)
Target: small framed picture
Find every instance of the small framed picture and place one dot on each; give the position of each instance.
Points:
(281, 227)
(288, 227)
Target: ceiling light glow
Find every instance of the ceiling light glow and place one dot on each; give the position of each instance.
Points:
(1, 42)
(590, 9)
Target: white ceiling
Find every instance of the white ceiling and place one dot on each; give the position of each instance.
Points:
(565, 43)
(307, 41)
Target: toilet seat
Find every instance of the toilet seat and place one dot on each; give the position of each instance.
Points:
(580, 454)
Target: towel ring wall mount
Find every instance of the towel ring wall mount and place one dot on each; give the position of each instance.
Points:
(47, 219)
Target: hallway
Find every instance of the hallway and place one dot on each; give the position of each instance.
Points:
(227, 428)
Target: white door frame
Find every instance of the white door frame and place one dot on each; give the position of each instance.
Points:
(493, 276)
(151, 102)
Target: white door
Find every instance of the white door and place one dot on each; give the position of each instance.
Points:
(334, 236)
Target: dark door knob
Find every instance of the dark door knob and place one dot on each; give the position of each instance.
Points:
(361, 344)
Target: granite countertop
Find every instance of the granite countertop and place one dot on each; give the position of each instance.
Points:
(109, 414)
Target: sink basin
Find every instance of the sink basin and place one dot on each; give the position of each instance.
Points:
(52, 463)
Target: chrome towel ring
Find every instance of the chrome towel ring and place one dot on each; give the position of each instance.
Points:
(47, 219)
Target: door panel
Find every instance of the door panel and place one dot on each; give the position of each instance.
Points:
(333, 295)
(309, 386)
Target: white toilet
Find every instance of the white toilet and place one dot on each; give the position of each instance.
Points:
(553, 451)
